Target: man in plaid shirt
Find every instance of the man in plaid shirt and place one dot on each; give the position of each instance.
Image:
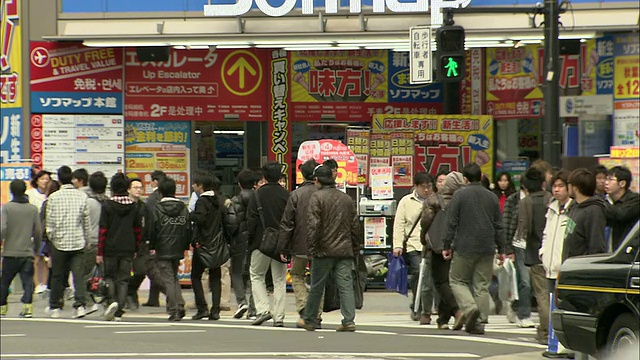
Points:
(67, 225)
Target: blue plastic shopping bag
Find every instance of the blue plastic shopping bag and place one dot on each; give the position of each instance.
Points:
(397, 277)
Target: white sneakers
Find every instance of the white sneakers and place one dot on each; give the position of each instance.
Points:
(525, 323)
(55, 313)
(40, 289)
(79, 312)
(110, 312)
(511, 315)
(93, 308)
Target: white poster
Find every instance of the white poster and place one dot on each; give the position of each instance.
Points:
(381, 181)
(626, 122)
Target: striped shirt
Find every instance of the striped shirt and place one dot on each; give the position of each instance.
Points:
(68, 222)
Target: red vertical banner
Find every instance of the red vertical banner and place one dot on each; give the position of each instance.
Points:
(279, 124)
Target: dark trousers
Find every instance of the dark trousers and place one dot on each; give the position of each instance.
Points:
(118, 270)
(89, 255)
(144, 265)
(523, 305)
(12, 266)
(63, 260)
(447, 307)
(215, 285)
(237, 281)
(168, 272)
(426, 297)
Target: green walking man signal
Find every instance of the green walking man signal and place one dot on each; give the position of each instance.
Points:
(452, 68)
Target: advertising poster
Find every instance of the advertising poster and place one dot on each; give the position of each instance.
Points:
(380, 150)
(402, 170)
(11, 56)
(513, 79)
(471, 93)
(69, 78)
(375, 233)
(10, 134)
(10, 172)
(381, 178)
(358, 142)
(626, 122)
(197, 84)
(279, 126)
(597, 66)
(444, 141)
(428, 97)
(626, 49)
(93, 142)
(159, 145)
(321, 150)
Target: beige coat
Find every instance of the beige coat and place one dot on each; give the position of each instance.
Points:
(409, 211)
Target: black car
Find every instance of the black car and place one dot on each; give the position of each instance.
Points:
(598, 300)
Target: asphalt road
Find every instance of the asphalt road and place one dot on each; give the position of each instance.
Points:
(384, 332)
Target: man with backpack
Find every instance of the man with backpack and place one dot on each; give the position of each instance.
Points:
(433, 226)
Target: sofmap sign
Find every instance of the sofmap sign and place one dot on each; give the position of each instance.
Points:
(241, 7)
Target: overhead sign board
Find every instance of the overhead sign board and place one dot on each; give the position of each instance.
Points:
(586, 105)
(421, 66)
(241, 7)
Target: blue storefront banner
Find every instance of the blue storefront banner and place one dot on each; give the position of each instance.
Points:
(76, 102)
(400, 90)
(604, 53)
(11, 138)
(84, 6)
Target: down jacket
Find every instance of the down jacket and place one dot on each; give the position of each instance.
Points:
(170, 229)
(332, 224)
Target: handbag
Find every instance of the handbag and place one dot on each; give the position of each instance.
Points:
(214, 254)
(269, 241)
(398, 277)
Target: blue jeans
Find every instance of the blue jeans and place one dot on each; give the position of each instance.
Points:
(12, 266)
(341, 270)
(426, 297)
(522, 307)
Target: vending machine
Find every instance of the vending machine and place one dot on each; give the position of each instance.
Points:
(377, 221)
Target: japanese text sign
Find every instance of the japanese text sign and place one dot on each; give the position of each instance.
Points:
(69, 78)
(420, 52)
(196, 84)
(358, 142)
(280, 125)
(596, 59)
(11, 55)
(444, 141)
(626, 50)
(11, 134)
(513, 79)
(401, 89)
(322, 150)
(10, 172)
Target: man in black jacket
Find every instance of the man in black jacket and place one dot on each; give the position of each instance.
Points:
(333, 245)
(293, 235)
(169, 229)
(120, 236)
(474, 228)
(624, 210)
(239, 245)
(213, 224)
(156, 177)
(273, 199)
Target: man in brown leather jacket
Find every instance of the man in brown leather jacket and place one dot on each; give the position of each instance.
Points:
(333, 245)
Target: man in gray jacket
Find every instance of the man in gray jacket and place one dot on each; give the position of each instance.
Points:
(474, 229)
(20, 223)
(96, 192)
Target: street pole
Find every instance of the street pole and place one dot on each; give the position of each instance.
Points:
(551, 124)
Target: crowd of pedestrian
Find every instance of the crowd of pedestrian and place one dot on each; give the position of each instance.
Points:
(462, 230)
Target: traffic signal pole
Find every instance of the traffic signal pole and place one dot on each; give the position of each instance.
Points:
(450, 90)
(551, 124)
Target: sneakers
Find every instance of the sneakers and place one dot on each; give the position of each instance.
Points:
(93, 308)
(251, 316)
(40, 289)
(443, 326)
(79, 312)
(525, 323)
(4, 309)
(511, 315)
(110, 312)
(242, 308)
(261, 319)
(346, 328)
(27, 311)
(55, 313)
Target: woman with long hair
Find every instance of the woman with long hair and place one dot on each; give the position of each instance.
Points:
(503, 187)
(37, 195)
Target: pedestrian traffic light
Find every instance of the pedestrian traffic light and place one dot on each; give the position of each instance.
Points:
(450, 56)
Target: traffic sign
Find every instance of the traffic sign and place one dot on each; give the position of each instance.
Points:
(241, 72)
(421, 68)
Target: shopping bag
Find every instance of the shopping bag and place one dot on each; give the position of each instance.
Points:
(359, 281)
(508, 282)
(331, 295)
(397, 278)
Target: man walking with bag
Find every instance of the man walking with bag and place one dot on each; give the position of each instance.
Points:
(264, 215)
(406, 238)
(333, 244)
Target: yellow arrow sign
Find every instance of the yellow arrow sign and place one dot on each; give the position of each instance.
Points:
(241, 65)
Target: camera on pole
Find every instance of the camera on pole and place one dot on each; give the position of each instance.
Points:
(450, 56)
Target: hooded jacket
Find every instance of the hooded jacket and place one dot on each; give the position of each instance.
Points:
(332, 224)
(553, 237)
(585, 229)
(239, 204)
(293, 227)
(622, 215)
(211, 216)
(432, 205)
(170, 229)
(94, 203)
(120, 227)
